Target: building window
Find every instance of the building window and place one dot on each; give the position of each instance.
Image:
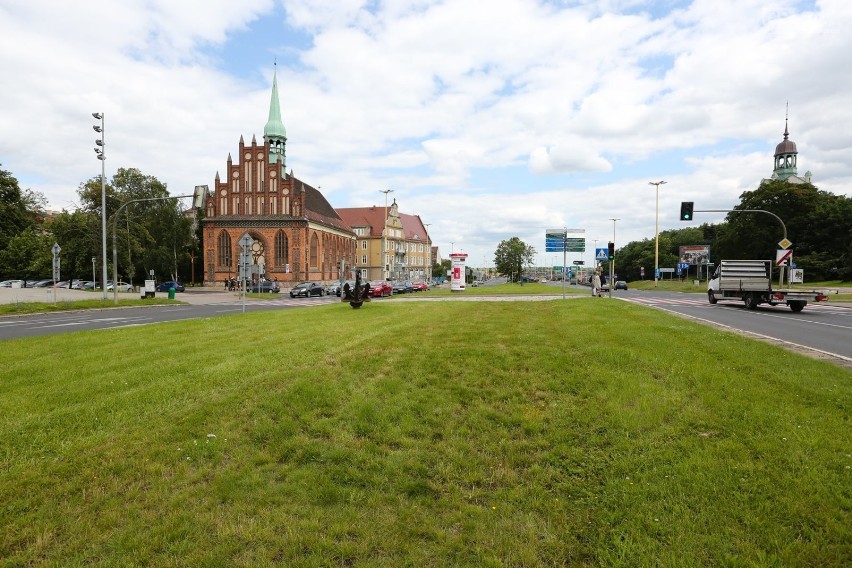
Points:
(280, 249)
(364, 245)
(224, 249)
(314, 250)
(364, 259)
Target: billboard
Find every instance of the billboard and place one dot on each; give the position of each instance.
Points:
(695, 254)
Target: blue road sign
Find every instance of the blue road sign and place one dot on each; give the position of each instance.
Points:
(601, 254)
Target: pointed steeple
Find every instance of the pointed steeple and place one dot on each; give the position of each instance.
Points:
(274, 127)
(274, 132)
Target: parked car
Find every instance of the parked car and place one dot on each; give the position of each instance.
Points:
(306, 289)
(420, 286)
(87, 285)
(403, 287)
(43, 283)
(339, 291)
(620, 285)
(332, 289)
(380, 288)
(267, 286)
(122, 287)
(164, 286)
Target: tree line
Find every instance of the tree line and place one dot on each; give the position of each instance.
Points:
(818, 223)
(153, 235)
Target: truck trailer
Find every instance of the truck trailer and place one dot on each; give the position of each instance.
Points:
(750, 281)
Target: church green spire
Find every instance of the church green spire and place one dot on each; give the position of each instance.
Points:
(274, 132)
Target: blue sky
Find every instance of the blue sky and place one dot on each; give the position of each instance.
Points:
(489, 120)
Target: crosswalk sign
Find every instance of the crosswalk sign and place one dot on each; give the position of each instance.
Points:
(601, 254)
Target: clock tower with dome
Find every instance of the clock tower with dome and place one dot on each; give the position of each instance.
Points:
(786, 156)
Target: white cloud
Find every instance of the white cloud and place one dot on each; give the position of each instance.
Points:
(490, 121)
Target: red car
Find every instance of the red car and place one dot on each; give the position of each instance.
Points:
(380, 288)
(420, 286)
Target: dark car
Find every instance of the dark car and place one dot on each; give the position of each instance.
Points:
(403, 287)
(339, 291)
(305, 289)
(165, 286)
(264, 287)
(620, 285)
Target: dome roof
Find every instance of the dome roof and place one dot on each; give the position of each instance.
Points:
(786, 146)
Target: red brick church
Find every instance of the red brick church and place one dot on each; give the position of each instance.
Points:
(297, 234)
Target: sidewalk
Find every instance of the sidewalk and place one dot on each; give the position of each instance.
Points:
(197, 295)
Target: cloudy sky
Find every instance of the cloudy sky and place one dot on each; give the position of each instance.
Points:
(489, 119)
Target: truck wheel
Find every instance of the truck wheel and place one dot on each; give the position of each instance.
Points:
(797, 306)
(750, 301)
(710, 297)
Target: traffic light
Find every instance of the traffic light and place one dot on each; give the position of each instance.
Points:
(611, 251)
(686, 210)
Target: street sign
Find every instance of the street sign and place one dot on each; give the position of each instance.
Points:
(784, 243)
(601, 254)
(579, 262)
(782, 255)
(683, 266)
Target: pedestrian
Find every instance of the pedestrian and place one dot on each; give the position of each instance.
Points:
(596, 285)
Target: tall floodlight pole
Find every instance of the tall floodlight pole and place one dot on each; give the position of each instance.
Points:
(657, 231)
(385, 234)
(101, 152)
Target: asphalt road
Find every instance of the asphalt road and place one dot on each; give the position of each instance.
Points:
(201, 304)
(821, 328)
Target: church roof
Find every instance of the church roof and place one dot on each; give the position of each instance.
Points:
(317, 207)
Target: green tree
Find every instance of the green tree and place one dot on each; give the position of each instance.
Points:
(19, 210)
(79, 235)
(440, 269)
(511, 256)
(28, 255)
(150, 235)
(818, 223)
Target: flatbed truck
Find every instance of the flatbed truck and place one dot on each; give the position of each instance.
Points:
(750, 281)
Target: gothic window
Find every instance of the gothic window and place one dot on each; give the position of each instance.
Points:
(224, 248)
(314, 250)
(280, 248)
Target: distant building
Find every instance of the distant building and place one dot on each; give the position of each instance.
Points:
(786, 157)
(404, 254)
(297, 234)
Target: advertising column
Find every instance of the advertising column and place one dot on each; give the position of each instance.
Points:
(457, 284)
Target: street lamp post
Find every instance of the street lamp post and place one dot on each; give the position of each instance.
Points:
(101, 152)
(657, 232)
(612, 262)
(427, 262)
(385, 234)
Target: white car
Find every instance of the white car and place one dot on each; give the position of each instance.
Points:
(122, 287)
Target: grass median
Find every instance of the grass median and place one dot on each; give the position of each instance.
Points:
(423, 434)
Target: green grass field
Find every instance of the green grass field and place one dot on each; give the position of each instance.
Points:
(552, 433)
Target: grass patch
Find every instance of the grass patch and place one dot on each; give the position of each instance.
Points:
(439, 434)
(63, 306)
